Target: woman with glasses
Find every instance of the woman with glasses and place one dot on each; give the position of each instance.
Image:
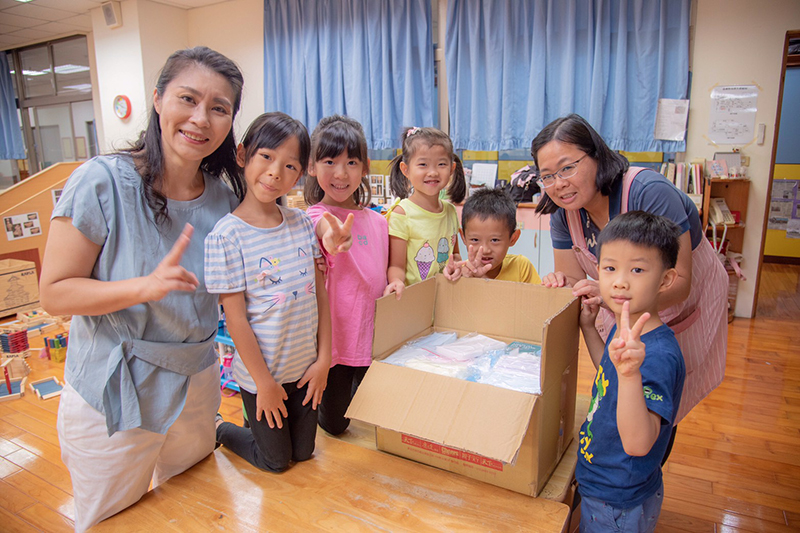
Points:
(584, 185)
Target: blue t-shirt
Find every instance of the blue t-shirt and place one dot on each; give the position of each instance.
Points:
(604, 471)
(650, 192)
(133, 365)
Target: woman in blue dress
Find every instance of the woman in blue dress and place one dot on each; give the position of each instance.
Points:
(124, 255)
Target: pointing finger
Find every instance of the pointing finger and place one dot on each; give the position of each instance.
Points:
(348, 223)
(175, 255)
(625, 318)
(636, 331)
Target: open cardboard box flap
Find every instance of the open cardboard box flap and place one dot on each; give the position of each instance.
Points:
(474, 417)
(478, 418)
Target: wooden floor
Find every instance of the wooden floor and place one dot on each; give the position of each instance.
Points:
(777, 293)
(735, 465)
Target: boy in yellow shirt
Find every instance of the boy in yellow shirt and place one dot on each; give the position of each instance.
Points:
(489, 229)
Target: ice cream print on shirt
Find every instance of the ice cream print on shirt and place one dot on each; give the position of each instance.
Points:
(425, 258)
(442, 253)
(586, 431)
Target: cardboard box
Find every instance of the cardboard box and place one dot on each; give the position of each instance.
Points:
(506, 438)
(19, 286)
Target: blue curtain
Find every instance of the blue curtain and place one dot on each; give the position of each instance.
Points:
(11, 145)
(369, 59)
(514, 66)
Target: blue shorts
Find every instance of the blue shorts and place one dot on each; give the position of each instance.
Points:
(598, 516)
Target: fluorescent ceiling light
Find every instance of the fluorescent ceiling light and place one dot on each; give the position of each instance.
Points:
(61, 69)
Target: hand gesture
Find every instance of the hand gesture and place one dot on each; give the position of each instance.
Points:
(626, 350)
(316, 376)
(473, 267)
(395, 287)
(555, 279)
(589, 310)
(270, 400)
(589, 290)
(338, 237)
(169, 275)
(452, 270)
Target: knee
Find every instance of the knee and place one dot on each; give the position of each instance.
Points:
(335, 426)
(273, 462)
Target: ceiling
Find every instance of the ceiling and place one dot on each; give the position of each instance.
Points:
(22, 24)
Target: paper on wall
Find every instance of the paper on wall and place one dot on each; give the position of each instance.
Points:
(733, 114)
(483, 174)
(671, 116)
(793, 229)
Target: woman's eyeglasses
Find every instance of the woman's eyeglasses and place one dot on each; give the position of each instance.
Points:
(565, 173)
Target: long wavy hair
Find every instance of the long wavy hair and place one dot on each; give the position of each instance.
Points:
(147, 150)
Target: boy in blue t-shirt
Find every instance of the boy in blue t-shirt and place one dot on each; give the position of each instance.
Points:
(640, 374)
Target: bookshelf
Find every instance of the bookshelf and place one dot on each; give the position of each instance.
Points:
(736, 193)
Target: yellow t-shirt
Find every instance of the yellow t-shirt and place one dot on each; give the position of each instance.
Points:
(430, 238)
(518, 268)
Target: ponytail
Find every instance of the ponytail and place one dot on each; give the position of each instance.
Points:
(398, 183)
(457, 190)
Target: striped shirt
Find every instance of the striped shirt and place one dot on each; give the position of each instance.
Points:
(275, 269)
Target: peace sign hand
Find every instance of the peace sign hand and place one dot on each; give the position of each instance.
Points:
(627, 350)
(452, 269)
(338, 238)
(169, 275)
(472, 267)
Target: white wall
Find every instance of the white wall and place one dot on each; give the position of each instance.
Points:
(82, 112)
(741, 42)
(129, 59)
(236, 29)
(163, 31)
(118, 59)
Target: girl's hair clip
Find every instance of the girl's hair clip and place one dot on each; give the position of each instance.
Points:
(412, 131)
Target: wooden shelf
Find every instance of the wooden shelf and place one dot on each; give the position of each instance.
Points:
(736, 194)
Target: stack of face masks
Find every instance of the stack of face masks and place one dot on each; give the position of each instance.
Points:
(474, 357)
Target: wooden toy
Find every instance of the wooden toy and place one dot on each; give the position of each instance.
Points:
(55, 348)
(13, 387)
(47, 388)
(14, 341)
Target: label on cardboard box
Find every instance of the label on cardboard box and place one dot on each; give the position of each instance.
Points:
(454, 453)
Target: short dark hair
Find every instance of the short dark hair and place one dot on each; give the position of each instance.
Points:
(490, 203)
(644, 229)
(270, 130)
(147, 149)
(573, 129)
(335, 135)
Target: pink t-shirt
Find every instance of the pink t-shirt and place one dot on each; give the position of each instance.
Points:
(356, 279)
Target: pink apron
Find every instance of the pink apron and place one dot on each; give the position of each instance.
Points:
(700, 322)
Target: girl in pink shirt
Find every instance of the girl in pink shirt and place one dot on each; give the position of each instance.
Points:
(337, 192)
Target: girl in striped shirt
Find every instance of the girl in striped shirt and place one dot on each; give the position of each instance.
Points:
(260, 260)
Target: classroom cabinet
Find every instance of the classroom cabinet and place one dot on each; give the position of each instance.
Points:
(534, 242)
(735, 194)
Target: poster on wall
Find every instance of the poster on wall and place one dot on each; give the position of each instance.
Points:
(732, 118)
(784, 189)
(780, 211)
(793, 229)
(22, 226)
(671, 116)
(56, 195)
